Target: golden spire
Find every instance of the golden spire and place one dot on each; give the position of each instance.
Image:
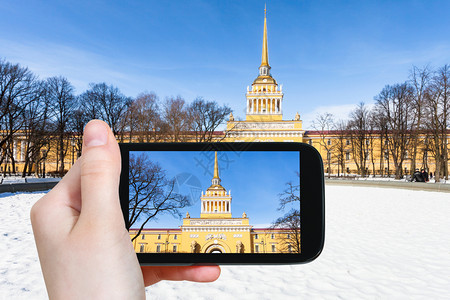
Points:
(216, 167)
(265, 55)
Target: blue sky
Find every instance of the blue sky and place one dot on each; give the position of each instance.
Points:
(255, 179)
(329, 55)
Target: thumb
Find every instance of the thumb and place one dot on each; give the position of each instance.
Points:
(100, 174)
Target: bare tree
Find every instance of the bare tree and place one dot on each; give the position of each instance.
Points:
(206, 116)
(393, 104)
(80, 117)
(151, 192)
(143, 118)
(380, 124)
(63, 104)
(372, 137)
(359, 137)
(438, 120)
(16, 89)
(290, 222)
(37, 128)
(324, 124)
(419, 80)
(341, 147)
(176, 119)
(106, 103)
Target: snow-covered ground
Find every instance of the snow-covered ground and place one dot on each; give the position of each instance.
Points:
(380, 243)
(27, 179)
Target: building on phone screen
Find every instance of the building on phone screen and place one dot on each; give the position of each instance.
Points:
(216, 230)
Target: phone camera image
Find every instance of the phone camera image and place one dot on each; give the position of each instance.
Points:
(216, 204)
(196, 213)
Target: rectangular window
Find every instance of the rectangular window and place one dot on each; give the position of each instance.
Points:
(290, 248)
(310, 142)
(174, 248)
(274, 249)
(347, 142)
(347, 155)
(288, 235)
(329, 142)
(158, 248)
(142, 248)
(256, 236)
(272, 236)
(143, 236)
(175, 237)
(257, 248)
(159, 236)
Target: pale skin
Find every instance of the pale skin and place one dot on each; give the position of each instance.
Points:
(83, 246)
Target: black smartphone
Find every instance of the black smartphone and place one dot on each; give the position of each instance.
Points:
(223, 203)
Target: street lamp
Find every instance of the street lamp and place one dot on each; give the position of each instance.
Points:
(44, 155)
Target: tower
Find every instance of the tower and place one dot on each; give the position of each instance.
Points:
(264, 98)
(216, 201)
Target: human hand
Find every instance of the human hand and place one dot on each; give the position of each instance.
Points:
(83, 246)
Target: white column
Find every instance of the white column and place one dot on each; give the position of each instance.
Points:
(15, 149)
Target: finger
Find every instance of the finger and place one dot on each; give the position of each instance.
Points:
(59, 206)
(68, 190)
(153, 275)
(100, 173)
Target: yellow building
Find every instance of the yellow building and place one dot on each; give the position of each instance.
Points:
(216, 230)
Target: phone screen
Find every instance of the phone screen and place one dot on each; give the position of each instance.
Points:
(214, 201)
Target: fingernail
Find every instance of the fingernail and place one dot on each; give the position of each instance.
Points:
(95, 134)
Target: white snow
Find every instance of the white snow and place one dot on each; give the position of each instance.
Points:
(27, 179)
(380, 243)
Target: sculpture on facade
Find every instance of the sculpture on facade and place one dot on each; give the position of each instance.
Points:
(239, 247)
(194, 247)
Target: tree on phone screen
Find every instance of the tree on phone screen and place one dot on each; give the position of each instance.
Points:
(151, 192)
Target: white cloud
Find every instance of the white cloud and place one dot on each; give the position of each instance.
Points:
(338, 112)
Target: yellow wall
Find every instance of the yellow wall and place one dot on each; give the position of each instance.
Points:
(253, 240)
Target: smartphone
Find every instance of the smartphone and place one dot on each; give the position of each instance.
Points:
(223, 203)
